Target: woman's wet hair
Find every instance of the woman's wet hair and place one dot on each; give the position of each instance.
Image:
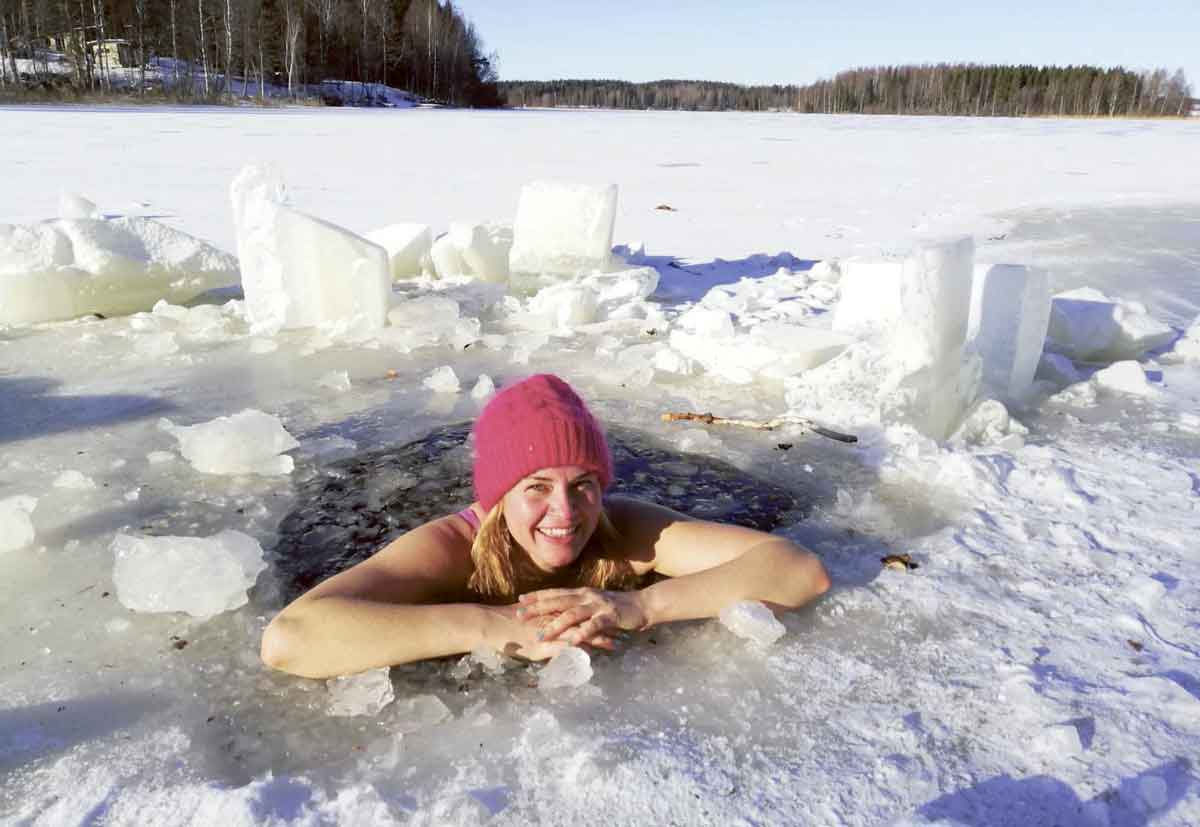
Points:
(502, 567)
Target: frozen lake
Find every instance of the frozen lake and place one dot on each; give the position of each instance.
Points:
(1041, 667)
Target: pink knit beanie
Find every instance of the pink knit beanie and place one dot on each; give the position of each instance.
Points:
(537, 423)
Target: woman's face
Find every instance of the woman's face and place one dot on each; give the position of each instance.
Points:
(552, 513)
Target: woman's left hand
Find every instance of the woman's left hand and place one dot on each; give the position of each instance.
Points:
(582, 614)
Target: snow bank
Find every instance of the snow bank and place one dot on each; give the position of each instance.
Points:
(71, 267)
(202, 576)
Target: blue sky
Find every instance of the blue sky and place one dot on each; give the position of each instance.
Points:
(798, 41)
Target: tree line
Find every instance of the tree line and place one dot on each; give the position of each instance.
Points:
(213, 49)
(942, 89)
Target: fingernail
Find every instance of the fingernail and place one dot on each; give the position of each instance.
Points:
(541, 635)
(520, 611)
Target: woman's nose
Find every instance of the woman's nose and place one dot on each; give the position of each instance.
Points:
(561, 502)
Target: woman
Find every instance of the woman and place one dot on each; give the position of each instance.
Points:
(539, 562)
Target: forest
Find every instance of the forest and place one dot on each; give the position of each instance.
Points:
(941, 89)
(212, 50)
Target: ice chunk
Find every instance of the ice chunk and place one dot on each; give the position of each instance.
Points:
(366, 693)
(934, 399)
(570, 667)
(707, 322)
(870, 296)
(408, 247)
(72, 267)
(565, 306)
(752, 621)
(249, 442)
(1087, 326)
(563, 229)
(202, 576)
(422, 321)
(484, 388)
(1010, 311)
(1123, 377)
(418, 712)
(16, 529)
(446, 257)
(483, 249)
(443, 380)
(797, 348)
(935, 303)
(75, 480)
(300, 271)
(72, 205)
(829, 271)
(335, 380)
(988, 423)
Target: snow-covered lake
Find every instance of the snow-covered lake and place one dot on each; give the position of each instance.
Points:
(1042, 666)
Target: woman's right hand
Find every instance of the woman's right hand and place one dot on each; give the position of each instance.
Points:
(522, 639)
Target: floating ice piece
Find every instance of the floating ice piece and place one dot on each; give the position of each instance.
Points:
(249, 442)
(484, 388)
(570, 667)
(417, 713)
(202, 576)
(300, 271)
(1088, 326)
(335, 380)
(483, 249)
(408, 247)
(72, 267)
(16, 529)
(1010, 311)
(75, 480)
(443, 380)
(72, 205)
(563, 229)
(1123, 377)
(752, 621)
(565, 307)
(366, 693)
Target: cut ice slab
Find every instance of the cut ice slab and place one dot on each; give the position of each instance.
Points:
(563, 229)
(67, 268)
(202, 576)
(16, 529)
(570, 667)
(482, 250)
(752, 621)
(249, 442)
(1010, 311)
(407, 246)
(366, 693)
(1088, 326)
(301, 271)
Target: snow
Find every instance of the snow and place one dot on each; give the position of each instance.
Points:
(1053, 605)
(202, 576)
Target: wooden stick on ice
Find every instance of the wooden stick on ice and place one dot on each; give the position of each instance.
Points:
(769, 425)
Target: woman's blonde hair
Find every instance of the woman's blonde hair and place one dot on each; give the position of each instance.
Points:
(499, 572)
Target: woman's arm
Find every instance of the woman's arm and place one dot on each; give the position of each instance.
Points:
(709, 566)
(386, 611)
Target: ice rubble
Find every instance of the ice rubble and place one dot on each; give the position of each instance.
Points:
(248, 442)
(70, 267)
(202, 576)
(752, 621)
(569, 668)
(301, 271)
(564, 229)
(16, 529)
(366, 693)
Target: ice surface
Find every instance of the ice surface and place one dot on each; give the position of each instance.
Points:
(73, 267)
(202, 576)
(248, 442)
(16, 529)
(569, 668)
(752, 621)
(301, 271)
(1088, 326)
(366, 693)
(72, 205)
(563, 229)
(408, 247)
(1010, 311)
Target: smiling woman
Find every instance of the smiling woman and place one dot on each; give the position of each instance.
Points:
(542, 559)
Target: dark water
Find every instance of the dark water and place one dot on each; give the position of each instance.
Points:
(351, 508)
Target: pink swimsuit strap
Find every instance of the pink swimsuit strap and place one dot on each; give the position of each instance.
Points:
(468, 514)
